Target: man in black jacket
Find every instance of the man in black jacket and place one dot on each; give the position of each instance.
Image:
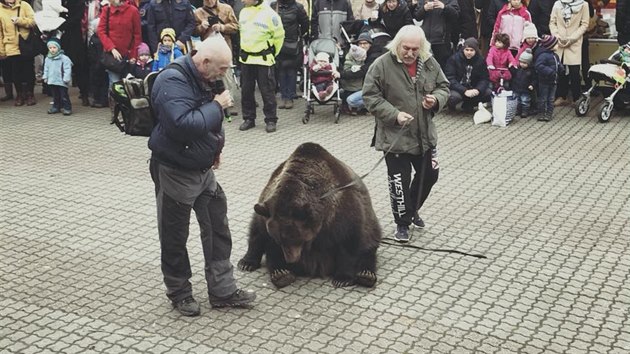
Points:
(186, 145)
(438, 17)
(467, 74)
(175, 14)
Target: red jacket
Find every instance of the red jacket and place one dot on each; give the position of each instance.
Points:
(124, 30)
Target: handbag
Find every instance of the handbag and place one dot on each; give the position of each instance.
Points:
(32, 45)
(290, 48)
(107, 59)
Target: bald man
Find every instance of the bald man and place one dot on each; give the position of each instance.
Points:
(188, 101)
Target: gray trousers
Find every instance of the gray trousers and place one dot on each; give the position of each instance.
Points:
(177, 193)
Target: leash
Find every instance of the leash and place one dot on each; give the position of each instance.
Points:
(387, 242)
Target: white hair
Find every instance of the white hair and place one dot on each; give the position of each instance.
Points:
(410, 32)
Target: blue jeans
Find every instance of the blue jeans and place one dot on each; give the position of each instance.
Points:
(113, 77)
(355, 100)
(546, 96)
(524, 101)
(287, 77)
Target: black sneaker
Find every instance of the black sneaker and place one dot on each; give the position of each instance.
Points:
(187, 307)
(247, 124)
(417, 221)
(402, 234)
(240, 298)
(270, 127)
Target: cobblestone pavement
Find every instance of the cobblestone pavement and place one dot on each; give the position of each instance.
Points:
(547, 203)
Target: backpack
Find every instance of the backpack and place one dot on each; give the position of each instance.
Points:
(133, 114)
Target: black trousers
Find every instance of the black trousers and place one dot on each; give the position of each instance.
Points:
(61, 100)
(441, 52)
(266, 79)
(570, 83)
(406, 195)
(22, 71)
(98, 83)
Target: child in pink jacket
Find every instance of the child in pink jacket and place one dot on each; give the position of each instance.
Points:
(530, 38)
(499, 59)
(511, 20)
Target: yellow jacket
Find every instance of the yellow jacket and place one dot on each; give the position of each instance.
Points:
(260, 29)
(9, 43)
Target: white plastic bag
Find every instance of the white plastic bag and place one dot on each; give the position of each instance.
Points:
(482, 115)
(503, 108)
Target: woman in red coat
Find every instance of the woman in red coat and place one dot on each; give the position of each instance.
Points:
(123, 36)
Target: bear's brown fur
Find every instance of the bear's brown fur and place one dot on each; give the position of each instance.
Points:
(304, 231)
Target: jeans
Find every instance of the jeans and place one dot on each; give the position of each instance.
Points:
(355, 100)
(61, 100)
(524, 101)
(546, 96)
(287, 77)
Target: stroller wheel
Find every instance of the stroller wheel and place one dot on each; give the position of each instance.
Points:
(582, 106)
(605, 112)
(307, 114)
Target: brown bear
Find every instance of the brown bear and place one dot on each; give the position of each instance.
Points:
(306, 226)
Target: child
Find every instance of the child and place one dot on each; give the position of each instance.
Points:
(167, 50)
(323, 74)
(511, 20)
(350, 82)
(144, 64)
(523, 82)
(530, 38)
(499, 60)
(57, 75)
(548, 66)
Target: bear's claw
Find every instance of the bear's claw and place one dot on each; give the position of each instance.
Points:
(247, 265)
(366, 278)
(282, 277)
(342, 283)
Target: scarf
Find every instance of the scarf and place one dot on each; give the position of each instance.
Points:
(570, 7)
(166, 49)
(59, 52)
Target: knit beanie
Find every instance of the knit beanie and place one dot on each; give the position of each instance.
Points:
(527, 56)
(322, 56)
(548, 41)
(168, 32)
(364, 36)
(530, 31)
(472, 43)
(357, 53)
(143, 49)
(54, 41)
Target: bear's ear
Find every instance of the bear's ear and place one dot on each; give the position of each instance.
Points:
(262, 210)
(303, 213)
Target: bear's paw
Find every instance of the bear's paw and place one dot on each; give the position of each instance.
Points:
(282, 277)
(366, 278)
(248, 265)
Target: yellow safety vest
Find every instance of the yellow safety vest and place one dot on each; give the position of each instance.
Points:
(261, 33)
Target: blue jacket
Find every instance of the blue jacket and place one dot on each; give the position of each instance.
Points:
(176, 14)
(547, 66)
(58, 70)
(188, 131)
(164, 58)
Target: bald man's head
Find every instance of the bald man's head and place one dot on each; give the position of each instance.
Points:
(213, 58)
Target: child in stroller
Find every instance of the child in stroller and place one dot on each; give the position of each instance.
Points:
(323, 75)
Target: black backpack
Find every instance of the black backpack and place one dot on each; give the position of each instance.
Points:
(133, 114)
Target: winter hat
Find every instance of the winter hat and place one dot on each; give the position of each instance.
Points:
(364, 36)
(357, 53)
(472, 43)
(168, 32)
(530, 31)
(54, 41)
(143, 49)
(548, 41)
(526, 56)
(322, 56)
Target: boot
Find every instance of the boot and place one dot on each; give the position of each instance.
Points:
(19, 95)
(29, 96)
(288, 104)
(8, 92)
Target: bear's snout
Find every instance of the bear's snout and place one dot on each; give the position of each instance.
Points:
(291, 254)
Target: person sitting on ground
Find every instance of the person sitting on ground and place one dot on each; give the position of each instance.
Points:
(323, 74)
(467, 74)
(351, 86)
(167, 50)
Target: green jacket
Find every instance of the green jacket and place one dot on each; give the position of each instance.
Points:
(388, 90)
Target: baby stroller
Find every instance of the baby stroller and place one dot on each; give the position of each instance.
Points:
(613, 73)
(328, 46)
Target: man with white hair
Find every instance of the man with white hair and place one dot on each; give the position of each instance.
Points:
(189, 100)
(404, 89)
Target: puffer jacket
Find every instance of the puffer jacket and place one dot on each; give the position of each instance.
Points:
(327, 16)
(547, 66)
(437, 23)
(188, 131)
(465, 74)
(58, 70)
(396, 19)
(9, 42)
(388, 90)
(175, 14)
(512, 22)
(125, 34)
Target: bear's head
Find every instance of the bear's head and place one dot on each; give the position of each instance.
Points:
(291, 221)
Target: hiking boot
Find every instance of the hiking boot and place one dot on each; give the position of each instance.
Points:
(66, 112)
(417, 221)
(270, 127)
(53, 110)
(85, 101)
(30, 99)
(402, 234)
(187, 307)
(288, 104)
(240, 298)
(247, 125)
(281, 104)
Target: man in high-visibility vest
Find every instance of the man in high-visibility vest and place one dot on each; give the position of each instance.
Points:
(262, 36)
